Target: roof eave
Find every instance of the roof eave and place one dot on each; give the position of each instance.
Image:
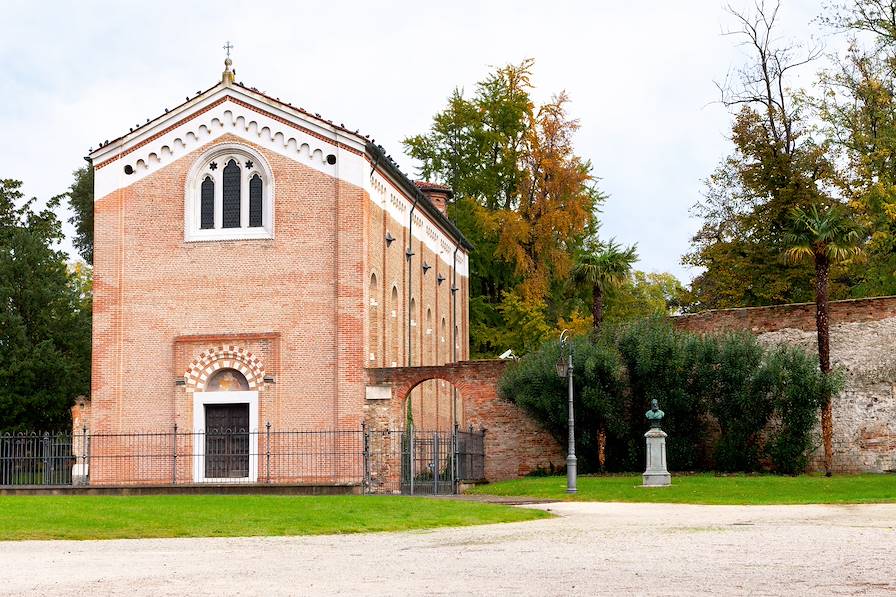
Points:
(381, 159)
(168, 114)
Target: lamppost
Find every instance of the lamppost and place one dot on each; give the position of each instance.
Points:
(564, 369)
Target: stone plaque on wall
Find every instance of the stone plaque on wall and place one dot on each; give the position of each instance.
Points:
(379, 392)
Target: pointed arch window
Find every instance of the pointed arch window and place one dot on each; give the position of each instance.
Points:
(231, 199)
(208, 204)
(229, 195)
(256, 186)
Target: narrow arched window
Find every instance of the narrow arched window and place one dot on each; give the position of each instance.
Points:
(374, 321)
(428, 348)
(442, 340)
(230, 208)
(395, 340)
(255, 202)
(207, 207)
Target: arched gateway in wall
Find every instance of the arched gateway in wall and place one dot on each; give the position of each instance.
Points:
(515, 444)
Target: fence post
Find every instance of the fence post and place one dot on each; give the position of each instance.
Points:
(174, 460)
(435, 462)
(3, 444)
(267, 451)
(365, 454)
(454, 458)
(84, 473)
(411, 456)
(45, 453)
(482, 432)
(89, 452)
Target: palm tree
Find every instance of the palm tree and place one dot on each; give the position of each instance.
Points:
(604, 266)
(828, 236)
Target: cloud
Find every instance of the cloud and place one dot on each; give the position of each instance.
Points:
(640, 76)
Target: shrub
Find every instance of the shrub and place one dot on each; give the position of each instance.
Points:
(797, 396)
(659, 363)
(700, 381)
(739, 398)
(534, 385)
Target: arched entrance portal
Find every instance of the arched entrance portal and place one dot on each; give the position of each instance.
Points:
(434, 405)
(513, 443)
(225, 426)
(437, 452)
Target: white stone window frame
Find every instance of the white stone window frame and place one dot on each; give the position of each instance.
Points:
(201, 169)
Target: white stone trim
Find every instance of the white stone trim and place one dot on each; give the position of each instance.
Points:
(226, 118)
(232, 118)
(223, 152)
(200, 399)
(394, 202)
(378, 392)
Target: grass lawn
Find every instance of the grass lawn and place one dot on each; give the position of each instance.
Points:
(709, 489)
(108, 517)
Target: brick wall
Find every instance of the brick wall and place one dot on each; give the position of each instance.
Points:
(151, 287)
(799, 316)
(387, 327)
(515, 444)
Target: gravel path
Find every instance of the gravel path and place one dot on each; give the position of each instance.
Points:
(590, 549)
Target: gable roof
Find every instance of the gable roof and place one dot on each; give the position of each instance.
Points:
(355, 142)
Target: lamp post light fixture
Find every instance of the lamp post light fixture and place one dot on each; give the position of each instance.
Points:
(564, 369)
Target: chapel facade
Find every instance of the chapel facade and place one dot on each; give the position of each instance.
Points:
(252, 260)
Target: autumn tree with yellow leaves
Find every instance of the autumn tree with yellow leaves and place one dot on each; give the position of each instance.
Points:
(525, 199)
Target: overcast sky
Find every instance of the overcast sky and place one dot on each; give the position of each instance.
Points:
(639, 74)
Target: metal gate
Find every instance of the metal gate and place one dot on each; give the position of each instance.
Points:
(433, 462)
(427, 466)
(470, 451)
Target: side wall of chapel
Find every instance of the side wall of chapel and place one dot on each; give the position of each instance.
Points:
(432, 315)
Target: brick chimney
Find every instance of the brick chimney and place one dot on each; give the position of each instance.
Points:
(438, 194)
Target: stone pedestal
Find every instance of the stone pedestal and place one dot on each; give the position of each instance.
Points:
(656, 474)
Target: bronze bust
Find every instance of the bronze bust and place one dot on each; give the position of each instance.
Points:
(654, 415)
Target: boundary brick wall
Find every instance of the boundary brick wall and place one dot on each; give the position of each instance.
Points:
(515, 444)
(863, 346)
(799, 316)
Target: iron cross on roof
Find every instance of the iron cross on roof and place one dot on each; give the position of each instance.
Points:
(227, 47)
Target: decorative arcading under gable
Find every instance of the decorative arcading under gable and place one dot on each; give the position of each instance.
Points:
(256, 125)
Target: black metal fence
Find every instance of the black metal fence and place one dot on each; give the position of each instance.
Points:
(36, 459)
(387, 461)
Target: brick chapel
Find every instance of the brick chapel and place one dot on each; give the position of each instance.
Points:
(253, 259)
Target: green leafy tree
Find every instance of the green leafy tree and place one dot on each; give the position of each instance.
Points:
(645, 295)
(730, 403)
(598, 382)
(80, 197)
(739, 398)
(776, 165)
(797, 395)
(45, 320)
(857, 108)
(603, 266)
(826, 236)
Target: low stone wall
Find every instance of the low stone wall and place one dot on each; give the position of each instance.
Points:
(863, 345)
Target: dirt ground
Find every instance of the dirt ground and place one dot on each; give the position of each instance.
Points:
(590, 549)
